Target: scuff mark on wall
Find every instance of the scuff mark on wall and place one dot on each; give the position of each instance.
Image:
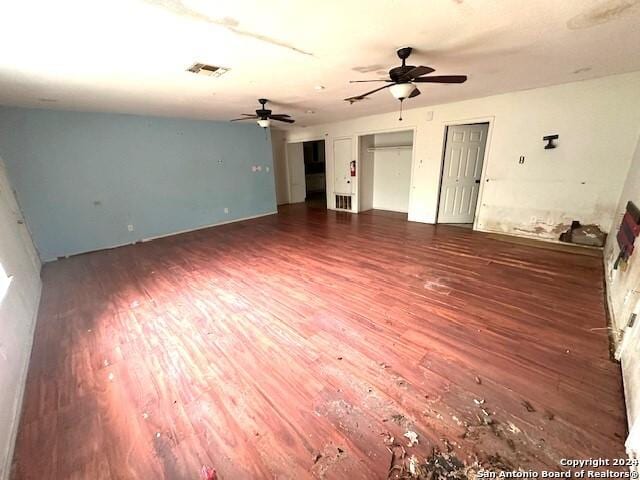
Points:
(231, 24)
(603, 13)
(542, 229)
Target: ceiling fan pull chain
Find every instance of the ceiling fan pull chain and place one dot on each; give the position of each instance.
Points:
(401, 100)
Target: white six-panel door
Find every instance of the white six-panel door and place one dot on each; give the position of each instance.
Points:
(342, 157)
(464, 153)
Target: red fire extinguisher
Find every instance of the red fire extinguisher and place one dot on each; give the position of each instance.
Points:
(352, 168)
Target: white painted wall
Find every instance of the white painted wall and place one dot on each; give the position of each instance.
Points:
(623, 292)
(278, 147)
(365, 172)
(392, 172)
(597, 121)
(18, 309)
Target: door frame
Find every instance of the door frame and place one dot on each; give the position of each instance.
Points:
(378, 131)
(485, 158)
(286, 160)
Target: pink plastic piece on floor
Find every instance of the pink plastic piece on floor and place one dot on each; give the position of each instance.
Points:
(208, 473)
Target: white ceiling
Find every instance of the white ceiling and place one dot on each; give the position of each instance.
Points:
(131, 56)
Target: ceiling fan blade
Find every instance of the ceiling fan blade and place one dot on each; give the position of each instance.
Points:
(360, 97)
(286, 120)
(415, 93)
(280, 115)
(248, 114)
(415, 73)
(377, 80)
(252, 117)
(441, 79)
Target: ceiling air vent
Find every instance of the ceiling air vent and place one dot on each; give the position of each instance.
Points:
(208, 70)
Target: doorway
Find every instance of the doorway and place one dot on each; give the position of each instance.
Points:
(385, 171)
(461, 172)
(315, 178)
(306, 173)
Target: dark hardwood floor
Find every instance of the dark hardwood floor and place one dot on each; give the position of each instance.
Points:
(296, 345)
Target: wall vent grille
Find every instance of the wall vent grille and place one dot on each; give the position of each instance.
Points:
(343, 202)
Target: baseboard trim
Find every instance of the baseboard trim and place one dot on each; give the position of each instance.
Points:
(179, 232)
(252, 217)
(539, 238)
(5, 472)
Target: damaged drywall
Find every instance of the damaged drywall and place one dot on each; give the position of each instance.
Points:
(586, 235)
(179, 8)
(623, 299)
(603, 13)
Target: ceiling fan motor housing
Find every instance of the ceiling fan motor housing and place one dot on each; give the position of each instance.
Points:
(404, 52)
(398, 72)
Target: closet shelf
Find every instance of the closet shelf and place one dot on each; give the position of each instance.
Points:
(390, 147)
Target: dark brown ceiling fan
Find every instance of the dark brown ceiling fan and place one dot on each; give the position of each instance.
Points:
(402, 80)
(264, 115)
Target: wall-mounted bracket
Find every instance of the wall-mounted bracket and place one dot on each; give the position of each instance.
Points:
(550, 141)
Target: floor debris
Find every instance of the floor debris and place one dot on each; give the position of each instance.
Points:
(413, 465)
(528, 406)
(513, 428)
(413, 438)
(326, 460)
(398, 418)
(208, 473)
(441, 465)
(589, 235)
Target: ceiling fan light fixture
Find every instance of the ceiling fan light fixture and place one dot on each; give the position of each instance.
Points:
(264, 122)
(401, 91)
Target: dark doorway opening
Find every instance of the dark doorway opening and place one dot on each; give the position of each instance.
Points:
(315, 174)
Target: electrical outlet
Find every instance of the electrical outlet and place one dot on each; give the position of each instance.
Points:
(130, 227)
(226, 210)
(534, 220)
(268, 169)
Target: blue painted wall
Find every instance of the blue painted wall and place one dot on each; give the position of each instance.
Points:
(82, 178)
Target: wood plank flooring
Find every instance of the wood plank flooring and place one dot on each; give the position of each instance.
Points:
(295, 346)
